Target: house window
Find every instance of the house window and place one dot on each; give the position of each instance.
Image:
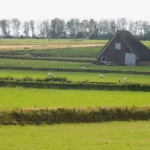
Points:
(118, 46)
(103, 59)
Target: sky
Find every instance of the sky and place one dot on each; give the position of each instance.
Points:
(40, 10)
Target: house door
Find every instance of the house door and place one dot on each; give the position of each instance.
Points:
(130, 59)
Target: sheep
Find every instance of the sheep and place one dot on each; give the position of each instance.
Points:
(50, 74)
(22, 63)
(18, 63)
(125, 79)
(26, 48)
(82, 67)
(2, 63)
(100, 76)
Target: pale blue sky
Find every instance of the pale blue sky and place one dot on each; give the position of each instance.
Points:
(26, 10)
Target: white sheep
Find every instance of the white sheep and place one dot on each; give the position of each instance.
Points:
(125, 79)
(50, 74)
(82, 67)
(100, 76)
(22, 63)
(2, 63)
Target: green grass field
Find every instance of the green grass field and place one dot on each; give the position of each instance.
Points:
(77, 76)
(12, 98)
(69, 65)
(110, 135)
(97, 136)
(54, 41)
(61, 52)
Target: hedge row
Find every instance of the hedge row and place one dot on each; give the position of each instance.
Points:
(74, 70)
(64, 115)
(50, 59)
(27, 78)
(76, 85)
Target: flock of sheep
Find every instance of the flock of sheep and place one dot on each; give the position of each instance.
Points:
(100, 76)
(18, 63)
(51, 75)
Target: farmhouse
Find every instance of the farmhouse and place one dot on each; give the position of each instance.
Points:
(124, 49)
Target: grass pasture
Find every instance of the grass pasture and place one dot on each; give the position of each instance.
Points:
(77, 76)
(112, 136)
(90, 52)
(45, 41)
(67, 65)
(91, 136)
(45, 98)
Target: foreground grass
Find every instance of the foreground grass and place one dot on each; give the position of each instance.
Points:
(112, 136)
(44, 98)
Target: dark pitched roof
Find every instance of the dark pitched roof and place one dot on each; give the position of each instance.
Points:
(138, 48)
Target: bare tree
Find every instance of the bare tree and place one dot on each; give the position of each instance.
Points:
(26, 28)
(41, 30)
(4, 25)
(146, 27)
(32, 27)
(131, 26)
(121, 23)
(46, 26)
(112, 26)
(92, 26)
(15, 24)
(57, 27)
(84, 28)
(73, 27)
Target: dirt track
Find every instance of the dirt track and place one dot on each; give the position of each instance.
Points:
(54, 46)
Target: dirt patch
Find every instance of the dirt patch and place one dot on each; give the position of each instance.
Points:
(54, 46)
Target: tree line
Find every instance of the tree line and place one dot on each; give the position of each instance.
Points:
(74, 28)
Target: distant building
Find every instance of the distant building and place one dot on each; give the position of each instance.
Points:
(124, 49)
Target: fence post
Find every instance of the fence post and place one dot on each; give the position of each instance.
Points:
(101, 120)
(47, 113)
(127, 114)
(21, 111)
(74, 115)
